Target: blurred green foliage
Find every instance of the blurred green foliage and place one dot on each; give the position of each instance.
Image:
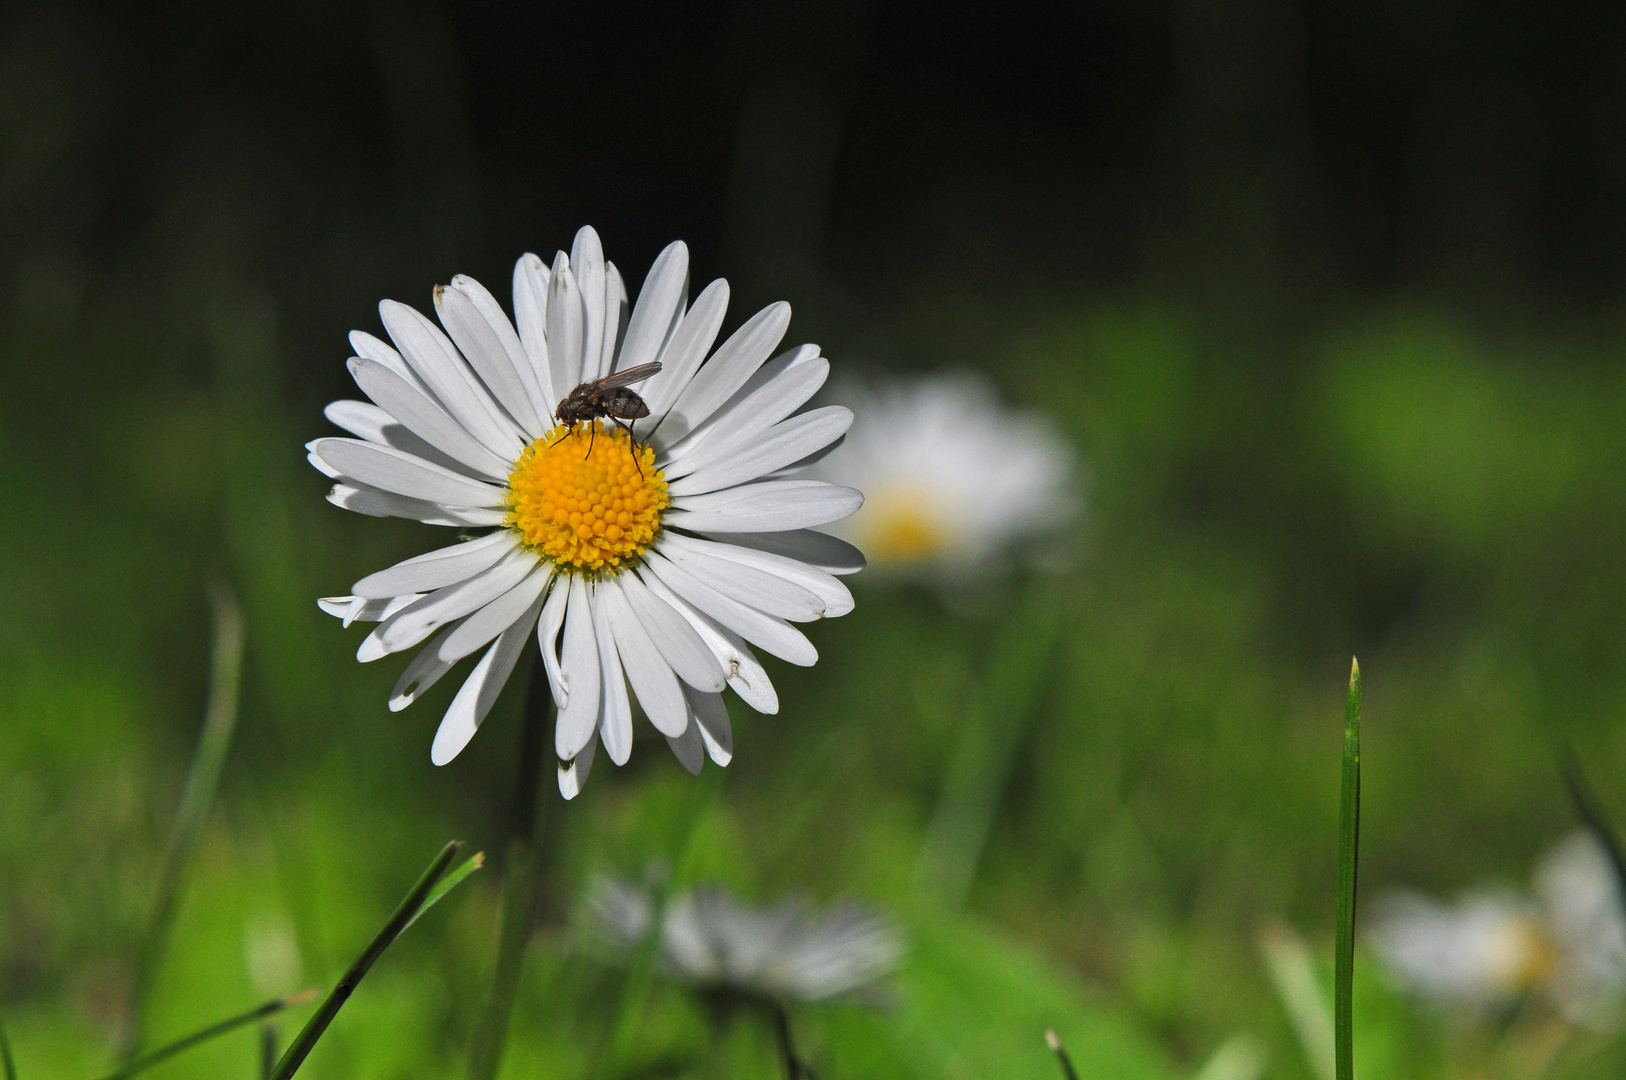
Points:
(1442, 492)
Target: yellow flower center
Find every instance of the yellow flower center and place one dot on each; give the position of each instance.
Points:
(897, 525)
(586, 497)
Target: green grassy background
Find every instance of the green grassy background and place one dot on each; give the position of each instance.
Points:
(1435, 483)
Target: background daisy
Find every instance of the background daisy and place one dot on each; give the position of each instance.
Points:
(955, 482)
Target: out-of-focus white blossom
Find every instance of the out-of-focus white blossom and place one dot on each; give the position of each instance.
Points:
(954, 482)
(1566, 942)
(783, 953)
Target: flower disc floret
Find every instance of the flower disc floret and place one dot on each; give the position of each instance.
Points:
(586, 497)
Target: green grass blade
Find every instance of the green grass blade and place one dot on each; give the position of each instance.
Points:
(1054, 1042)
(1349, 841)
(202, 781)
(398, 921)
(164, 1053)
(5, 1054)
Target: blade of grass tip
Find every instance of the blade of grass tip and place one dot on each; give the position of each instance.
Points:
(202, 781)
(1591, 814)
(5, 1054)
(1053, 1041)
(186, 1042)
(414, 900)
(994, 724)
(447, 884)
(1349, 842)
(519, 884)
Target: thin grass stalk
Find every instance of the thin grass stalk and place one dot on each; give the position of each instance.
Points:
(5, 1054)
(519, 890)
(213, 1031)
(399, 920)
(268, 1049)
(1349, 841)
(1053, 1041)
(1591, 814)
(996, 719)
(202, 782)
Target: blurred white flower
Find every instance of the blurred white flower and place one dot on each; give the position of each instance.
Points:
(953, 481)
(271, 951)
(783, 953)
(1567, 943)
(650, 563)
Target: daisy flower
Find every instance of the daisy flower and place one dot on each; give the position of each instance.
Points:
(952, 479)
(782, 954)
(1566, 943)
(647, 562)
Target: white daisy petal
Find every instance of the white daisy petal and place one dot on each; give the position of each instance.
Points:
(587, 263)
(371, 348)
(794, 377)
(491, 620)
(774, 635)
(689, 748)
(680, 644)
(487, 354)
(781, 445)
(481, 689)
(651, 678)
(411, 408)
(759, 589)
(368, 422)
(497, 319)
(616, 315)
(745, 673)
(449, 378)
(411, 625)
(615, 708)
(438, 569)
(819, 550)
(531, 277)
(547, 636)
(565, 330)
(573, 774)
(685, 351)
(710, 715)
(835, 596)
(765, 506)
(424, 671)
(344, 607)
(729, 367)
(388, 469)
(362, 499)
(579, 661)
(659, 306)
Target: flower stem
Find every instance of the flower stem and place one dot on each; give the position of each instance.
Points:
(1349, 843)
(519, 888)
(996, 719)
(202, 781)
(794, 1069)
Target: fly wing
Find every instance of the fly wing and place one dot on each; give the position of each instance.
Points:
(627, 377)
